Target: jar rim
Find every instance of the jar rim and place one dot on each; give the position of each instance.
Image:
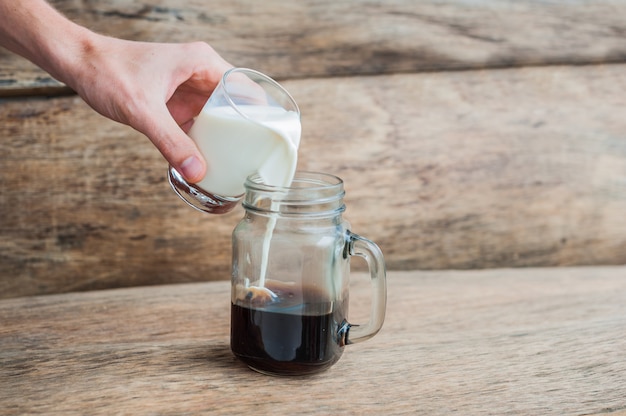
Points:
(309, 192)
(311, 181)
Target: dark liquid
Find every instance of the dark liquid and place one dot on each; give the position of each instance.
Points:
(276, 342)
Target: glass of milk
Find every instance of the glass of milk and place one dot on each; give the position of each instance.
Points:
(249, 125)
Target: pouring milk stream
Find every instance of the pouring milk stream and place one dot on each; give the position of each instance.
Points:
(256, 139)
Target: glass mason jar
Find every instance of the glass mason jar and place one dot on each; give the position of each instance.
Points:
(290, 277)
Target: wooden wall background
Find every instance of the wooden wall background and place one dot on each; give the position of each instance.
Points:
(470, 134)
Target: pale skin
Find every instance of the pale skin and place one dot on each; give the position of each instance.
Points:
(156, 88)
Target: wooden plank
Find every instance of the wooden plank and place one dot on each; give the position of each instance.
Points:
(499, 168)
(314, 38)
(79, 192)
(502, 342)
(478, 169)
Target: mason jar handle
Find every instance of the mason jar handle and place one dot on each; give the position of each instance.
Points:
(362, 247)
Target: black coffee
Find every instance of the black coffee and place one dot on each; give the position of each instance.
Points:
(287, 340)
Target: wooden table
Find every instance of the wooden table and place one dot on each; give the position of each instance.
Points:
(503, 341)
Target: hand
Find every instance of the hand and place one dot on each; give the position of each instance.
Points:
(155, 88)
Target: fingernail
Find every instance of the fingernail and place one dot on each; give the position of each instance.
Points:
(192, 169)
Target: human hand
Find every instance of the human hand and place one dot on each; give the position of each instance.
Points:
(156, 88)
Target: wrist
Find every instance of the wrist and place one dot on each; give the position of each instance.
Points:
(65, 56)
(62, 52)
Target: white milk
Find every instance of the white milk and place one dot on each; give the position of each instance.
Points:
(235, 147)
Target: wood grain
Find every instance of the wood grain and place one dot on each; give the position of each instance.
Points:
(499, 168)
(317, 38)
(494, 342)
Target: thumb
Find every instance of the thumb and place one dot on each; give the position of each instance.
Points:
(175, 145)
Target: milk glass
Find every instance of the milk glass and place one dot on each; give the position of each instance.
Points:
(290, 277)
(249, 124)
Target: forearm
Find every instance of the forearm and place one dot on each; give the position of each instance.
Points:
(36, 31)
